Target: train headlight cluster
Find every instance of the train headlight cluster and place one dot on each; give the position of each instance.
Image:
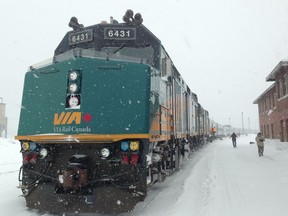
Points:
(29, 146)
(131, 152)
(32, 152)
(73, 98)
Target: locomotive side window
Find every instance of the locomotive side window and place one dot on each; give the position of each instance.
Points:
(164, 69)
(166, 64)
(163, 63)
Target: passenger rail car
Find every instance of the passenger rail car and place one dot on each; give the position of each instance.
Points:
(104, 120)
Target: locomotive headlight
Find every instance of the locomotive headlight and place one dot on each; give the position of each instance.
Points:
(73, 101)
(73, 87)
(25, 146)
(43, 153)
(134, 145)
(105, 152)
(73, 75)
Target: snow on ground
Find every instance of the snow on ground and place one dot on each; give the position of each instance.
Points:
(217, 180)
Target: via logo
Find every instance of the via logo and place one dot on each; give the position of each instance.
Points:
(67, 118)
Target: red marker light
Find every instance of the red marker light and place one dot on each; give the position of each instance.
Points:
(34, 159)
(125, 159)
(26, 158)
(134, 159)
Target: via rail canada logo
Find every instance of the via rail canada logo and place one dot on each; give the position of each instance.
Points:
(68, 121)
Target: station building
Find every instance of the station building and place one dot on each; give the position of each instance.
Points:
(273, 104)
(3, 119)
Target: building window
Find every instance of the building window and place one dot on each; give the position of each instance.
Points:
(262, 106)
(270, 102)
(286, 130)
(284, 86)
(272, 131)
(278, 87)
(282, 126)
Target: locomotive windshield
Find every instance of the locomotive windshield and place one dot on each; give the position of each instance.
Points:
(146, 53)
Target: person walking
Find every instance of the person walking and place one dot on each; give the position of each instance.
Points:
(260, 143)
(234, 136)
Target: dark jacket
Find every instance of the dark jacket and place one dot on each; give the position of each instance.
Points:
(233, 136)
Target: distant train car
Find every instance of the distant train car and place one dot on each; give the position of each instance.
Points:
(218, 130)
(104, 120)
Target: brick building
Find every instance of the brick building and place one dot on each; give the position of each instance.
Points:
(273, 104)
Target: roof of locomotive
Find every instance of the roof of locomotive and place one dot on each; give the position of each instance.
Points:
(88, 41)
(130, 33)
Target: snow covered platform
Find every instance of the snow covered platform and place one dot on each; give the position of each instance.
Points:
(217, 180)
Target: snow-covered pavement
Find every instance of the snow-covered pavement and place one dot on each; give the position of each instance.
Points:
(217, 180)
(236, 182)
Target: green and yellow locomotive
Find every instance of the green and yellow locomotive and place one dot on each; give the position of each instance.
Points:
(104, 120)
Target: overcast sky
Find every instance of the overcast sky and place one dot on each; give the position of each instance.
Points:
(224, 49)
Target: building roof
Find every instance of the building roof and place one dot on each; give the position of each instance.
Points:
(272, 75)
(264, 93)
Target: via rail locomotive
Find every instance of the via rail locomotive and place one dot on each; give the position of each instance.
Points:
(107, 117)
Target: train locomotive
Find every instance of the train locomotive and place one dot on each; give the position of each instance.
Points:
(103, 120)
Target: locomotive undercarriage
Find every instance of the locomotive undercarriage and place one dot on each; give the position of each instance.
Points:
(74, 178)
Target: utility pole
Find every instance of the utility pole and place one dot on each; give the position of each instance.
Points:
(248, 125)
(229, 126)
(3, 119)
(242, 123)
